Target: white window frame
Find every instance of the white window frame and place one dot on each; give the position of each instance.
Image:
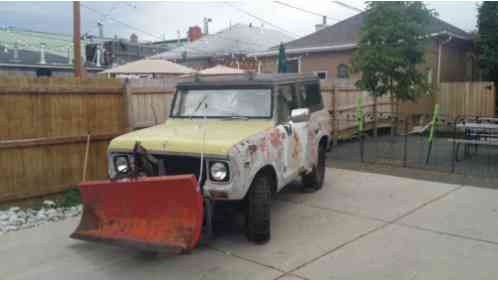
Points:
(322, 71)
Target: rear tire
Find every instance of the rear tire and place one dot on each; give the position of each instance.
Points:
(258, 210)
(314, 180)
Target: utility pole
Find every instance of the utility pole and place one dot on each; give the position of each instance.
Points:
(76, 39)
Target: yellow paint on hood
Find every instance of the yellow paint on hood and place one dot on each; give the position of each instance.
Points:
(185, 135)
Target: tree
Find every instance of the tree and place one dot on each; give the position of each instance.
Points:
(392, 43)
(487, 24)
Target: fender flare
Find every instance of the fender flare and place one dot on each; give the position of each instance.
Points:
(269, 166)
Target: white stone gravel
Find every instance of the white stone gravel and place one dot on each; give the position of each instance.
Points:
(15, 218)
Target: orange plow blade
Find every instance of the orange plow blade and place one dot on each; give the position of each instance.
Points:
(161, 214)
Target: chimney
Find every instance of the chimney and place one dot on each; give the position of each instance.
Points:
(133, 38)
(101, 29)
(42, 53)
(194, 33)
(206, 25)
(322, 25)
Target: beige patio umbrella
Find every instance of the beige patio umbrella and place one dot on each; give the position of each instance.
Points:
(150, 66)
(221, 70)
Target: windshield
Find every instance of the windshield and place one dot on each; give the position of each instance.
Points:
(220, 103)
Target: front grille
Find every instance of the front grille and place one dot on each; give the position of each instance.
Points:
(180, 165)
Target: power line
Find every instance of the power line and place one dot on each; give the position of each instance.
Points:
(304, 10)
(347, 6)
(120, 22)
(104, 17)
(259, 18)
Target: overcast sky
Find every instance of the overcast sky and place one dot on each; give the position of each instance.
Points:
(157, 20)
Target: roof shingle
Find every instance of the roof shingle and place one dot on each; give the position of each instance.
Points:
(347, 32)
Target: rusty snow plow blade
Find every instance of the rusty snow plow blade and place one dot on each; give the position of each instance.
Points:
(162, 214)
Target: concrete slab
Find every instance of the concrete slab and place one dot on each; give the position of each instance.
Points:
(398, 252)
(369, 195)
(299, 234)
(290, 276)
(60, 257)
(470, 211)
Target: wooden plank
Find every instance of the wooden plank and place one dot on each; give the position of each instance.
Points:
(21, 143)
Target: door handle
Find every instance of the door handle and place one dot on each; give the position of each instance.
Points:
(288, 129)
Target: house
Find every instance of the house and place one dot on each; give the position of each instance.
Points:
(111, 52)
(328, 52)
(227, 47)
(32, 53)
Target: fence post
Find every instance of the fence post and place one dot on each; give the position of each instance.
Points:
(334, 118)
(454, 157)
(405, 145)
(128, 105)
(374, 112)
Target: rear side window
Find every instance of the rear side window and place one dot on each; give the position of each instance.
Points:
(312, 98)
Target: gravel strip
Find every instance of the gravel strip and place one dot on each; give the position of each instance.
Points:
(15, 218)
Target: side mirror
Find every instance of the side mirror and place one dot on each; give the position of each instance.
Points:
(300, 115)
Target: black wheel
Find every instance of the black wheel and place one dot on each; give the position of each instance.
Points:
(258, 210)
(314, 180)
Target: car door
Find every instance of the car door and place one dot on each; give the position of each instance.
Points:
(295, 134)
(319, 121)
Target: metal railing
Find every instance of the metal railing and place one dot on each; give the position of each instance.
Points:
(465, 145)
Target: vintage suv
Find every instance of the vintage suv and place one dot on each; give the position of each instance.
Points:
(256, 133)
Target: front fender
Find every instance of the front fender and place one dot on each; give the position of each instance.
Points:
(253, 154)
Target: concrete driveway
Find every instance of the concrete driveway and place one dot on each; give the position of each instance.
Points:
(359, 226)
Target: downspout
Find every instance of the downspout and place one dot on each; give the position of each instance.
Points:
(439, 55)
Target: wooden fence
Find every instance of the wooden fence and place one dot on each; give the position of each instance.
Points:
(467, 99)
(149, 101)
(44, 125)
(341, 100)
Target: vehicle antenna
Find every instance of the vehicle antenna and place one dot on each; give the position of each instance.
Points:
(202, 148)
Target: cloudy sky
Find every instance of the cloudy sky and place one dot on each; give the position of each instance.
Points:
(158, 20)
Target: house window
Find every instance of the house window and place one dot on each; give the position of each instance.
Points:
(342, 71)
(321, 74)
(293, 66)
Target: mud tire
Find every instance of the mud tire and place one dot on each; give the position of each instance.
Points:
(314, 180)
(258, 208)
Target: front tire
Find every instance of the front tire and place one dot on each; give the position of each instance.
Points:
(314, 180)
(258, 210)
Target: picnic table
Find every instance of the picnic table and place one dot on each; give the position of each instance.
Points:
(481, 131)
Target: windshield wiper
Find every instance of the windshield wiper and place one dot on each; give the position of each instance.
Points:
(200, 103)
(234, 116)
(239, 117)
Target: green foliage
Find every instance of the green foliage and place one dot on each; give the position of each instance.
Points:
(487, 23)
(70, 197)
(392, 43)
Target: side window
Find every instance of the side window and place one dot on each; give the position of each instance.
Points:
(286, 102)
(323, 75)
(312, 98)
(342, 71)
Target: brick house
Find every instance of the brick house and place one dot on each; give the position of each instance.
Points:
(328, 51)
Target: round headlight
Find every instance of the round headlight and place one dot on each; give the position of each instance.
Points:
(121, 163)
(219, 171)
